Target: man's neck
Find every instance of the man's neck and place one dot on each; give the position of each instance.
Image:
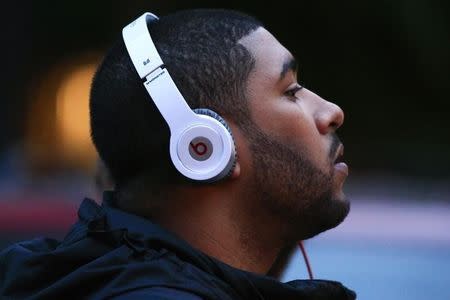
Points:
(223, 226)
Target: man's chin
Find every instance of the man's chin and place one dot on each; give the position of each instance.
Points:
(330, 216)
(340, 197)
(342, 209)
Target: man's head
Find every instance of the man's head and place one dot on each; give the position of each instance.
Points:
(229, 63)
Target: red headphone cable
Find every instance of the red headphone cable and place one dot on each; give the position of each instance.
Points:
(305, 257)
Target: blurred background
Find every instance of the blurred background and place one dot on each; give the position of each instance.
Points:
(385, 62)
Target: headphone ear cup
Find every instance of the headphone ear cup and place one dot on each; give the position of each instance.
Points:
(213, 114)
(216, 116)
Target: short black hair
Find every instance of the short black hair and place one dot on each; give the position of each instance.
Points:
(201, 52)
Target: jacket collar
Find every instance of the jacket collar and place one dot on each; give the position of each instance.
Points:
(141, 234)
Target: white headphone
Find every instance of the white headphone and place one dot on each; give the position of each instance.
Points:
(201, 144)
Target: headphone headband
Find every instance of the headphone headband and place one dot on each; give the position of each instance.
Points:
(140, 45)
(150, 67)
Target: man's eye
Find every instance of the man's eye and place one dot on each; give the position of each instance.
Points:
(292, 92)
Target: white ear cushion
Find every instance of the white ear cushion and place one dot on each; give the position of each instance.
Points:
(217, 162)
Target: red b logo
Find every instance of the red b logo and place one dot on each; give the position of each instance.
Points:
(199, 148)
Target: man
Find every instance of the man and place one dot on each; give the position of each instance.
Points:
(160, 235)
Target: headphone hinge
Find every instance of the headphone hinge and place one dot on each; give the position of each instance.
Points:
(154, 75)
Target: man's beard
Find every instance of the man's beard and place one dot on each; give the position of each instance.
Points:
(293, 189)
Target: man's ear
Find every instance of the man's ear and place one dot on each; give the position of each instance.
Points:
(236, 171)
(241, 148)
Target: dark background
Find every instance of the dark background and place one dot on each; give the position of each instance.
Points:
(385, 62)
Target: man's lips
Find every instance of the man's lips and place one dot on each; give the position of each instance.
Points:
(339, 154)
(341, 167)
(339, 164)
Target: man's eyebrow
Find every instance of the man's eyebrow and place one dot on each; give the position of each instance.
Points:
(290, 64)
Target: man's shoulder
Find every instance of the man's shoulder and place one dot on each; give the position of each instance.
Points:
(121, 273)
(163, 275)
(157, 293)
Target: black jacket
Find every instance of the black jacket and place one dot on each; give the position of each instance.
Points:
(110, 254)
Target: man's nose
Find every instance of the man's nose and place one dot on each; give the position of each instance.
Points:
(329, 117)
